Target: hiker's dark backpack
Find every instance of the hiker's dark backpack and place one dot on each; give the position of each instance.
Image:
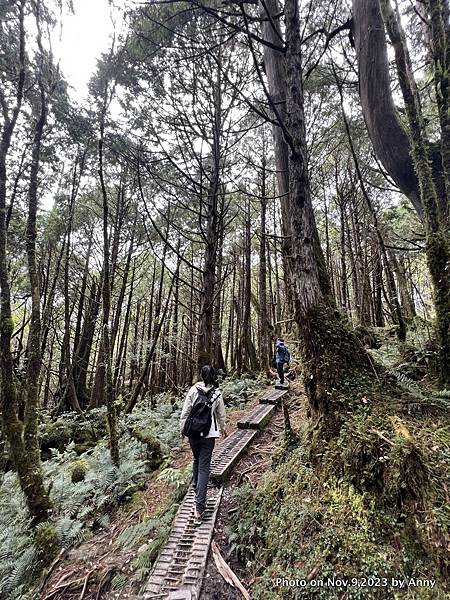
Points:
(198, 423)
(283, 353)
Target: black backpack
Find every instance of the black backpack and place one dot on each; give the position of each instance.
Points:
(198, 423)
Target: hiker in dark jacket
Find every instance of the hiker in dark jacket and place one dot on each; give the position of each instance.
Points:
(203, 447)
(282, 357)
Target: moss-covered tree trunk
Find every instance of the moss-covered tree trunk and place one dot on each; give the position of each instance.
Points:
(438, 240)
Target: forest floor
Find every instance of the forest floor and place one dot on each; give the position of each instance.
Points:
(102, 568)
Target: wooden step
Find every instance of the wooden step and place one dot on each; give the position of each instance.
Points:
(228, 453)
(273, 397)
(257, 418)
(178, 571)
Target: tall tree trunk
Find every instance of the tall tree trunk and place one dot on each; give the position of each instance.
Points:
(276, 74)
(69, 393)
(246, 347)
(121, 356)
(154, 311)
(205, 353)
(264, 325)
(82, 300)
(84, 347)
(219, 362)
(106, 300)
(22, 438)
(330, 350)
(406, 298)
(134, 366)
(174, 333)
(343, 253)
(378, 286)
(277, 291)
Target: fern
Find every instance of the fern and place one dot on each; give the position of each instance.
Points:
(69, 532)
(102, 521)
(86, 504)
(439, 398)
(173, 477)
(146, 558)
(133, 534)
(408, 384)
(119, 581)
(443, 394)
(19, 570)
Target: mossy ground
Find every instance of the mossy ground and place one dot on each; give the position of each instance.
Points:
(371, 502)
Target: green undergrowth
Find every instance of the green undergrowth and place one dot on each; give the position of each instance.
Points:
(415, 358)
(148, 535)
(372, 503)
(86, 489)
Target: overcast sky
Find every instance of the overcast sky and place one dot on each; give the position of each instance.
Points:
(83, 37)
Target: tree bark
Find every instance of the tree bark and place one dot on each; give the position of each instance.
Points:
(389, 138)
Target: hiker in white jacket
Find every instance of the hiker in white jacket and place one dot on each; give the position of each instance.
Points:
(202, 448)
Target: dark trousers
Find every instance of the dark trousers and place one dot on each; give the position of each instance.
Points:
(280, 371)
(202, 450)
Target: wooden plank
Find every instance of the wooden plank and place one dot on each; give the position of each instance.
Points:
(178, 571)
(273, 397)
(257, 418)
(229, 452)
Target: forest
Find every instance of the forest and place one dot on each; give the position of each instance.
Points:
(240, 171)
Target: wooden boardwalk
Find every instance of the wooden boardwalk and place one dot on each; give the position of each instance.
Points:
(229, 452)
(179, 568)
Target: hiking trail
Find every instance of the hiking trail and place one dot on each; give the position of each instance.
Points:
(180, 566)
